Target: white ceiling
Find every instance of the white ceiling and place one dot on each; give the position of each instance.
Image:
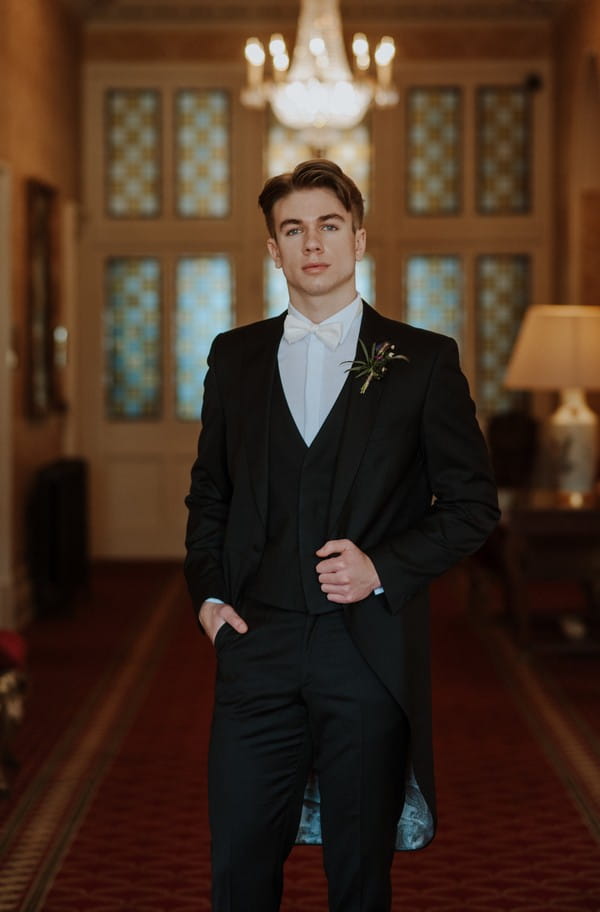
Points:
(230, 11)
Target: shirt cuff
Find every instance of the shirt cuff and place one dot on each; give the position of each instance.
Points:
(379, 591)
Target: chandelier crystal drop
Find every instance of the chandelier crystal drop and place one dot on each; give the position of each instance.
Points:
(318, 91)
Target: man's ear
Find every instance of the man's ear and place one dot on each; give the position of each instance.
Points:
(360, 243)
(274, 251)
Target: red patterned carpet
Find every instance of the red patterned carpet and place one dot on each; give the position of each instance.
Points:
(108, 809)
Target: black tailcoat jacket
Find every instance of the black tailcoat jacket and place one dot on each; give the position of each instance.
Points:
(413, 489)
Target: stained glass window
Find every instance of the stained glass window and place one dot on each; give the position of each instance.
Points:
(502, 297)
(276, 292)
(503, 150)
(132, 125)
(132, 338)
(350, 149)
(365, 278)
(204, 295)
(275, 289)
(433, 154)
(202, 153)
(434, 294)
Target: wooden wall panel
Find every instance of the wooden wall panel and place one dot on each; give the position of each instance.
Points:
(40, 139)
(590, 247)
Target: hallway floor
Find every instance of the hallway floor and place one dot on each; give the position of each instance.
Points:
(108, 810)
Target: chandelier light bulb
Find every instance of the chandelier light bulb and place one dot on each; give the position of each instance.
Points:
(360, 49)
(386, 49)
(360, 45)
(316, 46)
(277, 46)
(254, 52)
(281, 62)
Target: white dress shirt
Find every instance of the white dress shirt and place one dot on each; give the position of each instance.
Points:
(312, 375)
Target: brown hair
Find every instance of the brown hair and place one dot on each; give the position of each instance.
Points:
(318, 172)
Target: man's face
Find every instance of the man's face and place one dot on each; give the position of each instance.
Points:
(317, 249)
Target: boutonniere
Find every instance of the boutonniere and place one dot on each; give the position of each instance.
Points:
(375, 363)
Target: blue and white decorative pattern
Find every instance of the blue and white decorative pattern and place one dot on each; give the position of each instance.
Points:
(503, 282)
(204, 296)
(433, 151)
(503, 150)
(434, 294)
(132, 132)
(414, 830)
(202, 153)
(132, 340)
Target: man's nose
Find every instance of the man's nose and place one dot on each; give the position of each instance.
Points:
(312, 239)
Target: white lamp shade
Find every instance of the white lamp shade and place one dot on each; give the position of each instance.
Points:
(558, 347)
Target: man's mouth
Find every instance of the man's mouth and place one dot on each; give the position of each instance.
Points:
(314, 267)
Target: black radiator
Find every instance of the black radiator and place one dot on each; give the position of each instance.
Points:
(57, 534)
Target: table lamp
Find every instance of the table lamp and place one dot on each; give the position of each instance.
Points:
(558, 348)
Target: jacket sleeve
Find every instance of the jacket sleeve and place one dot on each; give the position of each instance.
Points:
(209, 497)
(464, 506)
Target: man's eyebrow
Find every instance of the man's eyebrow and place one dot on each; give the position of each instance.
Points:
(322, 218)
(289, 221)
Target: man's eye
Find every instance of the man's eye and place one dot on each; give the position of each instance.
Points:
(292, 231)
(330, 227)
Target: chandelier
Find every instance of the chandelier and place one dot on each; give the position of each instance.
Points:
(318, 91)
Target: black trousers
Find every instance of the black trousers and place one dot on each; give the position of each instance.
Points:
(294, 694)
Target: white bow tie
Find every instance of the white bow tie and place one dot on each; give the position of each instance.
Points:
(329, 333)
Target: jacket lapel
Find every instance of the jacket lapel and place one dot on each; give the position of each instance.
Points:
(360, 416)
(260, 361)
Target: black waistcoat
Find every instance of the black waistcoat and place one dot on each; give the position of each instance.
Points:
(300, 484)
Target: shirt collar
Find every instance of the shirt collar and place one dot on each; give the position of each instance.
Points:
(346, 316)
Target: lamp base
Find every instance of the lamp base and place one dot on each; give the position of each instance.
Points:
(573, 440)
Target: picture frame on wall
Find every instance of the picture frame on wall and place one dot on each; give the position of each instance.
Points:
(41, 284)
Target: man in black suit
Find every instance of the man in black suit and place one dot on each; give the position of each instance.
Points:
(321, 505)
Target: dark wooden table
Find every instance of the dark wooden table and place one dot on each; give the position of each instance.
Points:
(549, 540)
